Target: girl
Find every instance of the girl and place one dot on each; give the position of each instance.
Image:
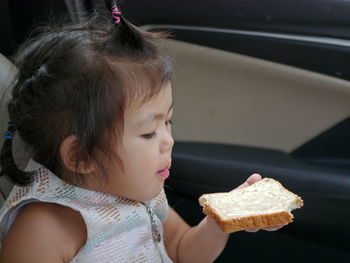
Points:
(93, 102)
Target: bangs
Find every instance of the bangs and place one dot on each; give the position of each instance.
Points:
(142, 80)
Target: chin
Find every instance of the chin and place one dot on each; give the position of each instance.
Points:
(151, 196)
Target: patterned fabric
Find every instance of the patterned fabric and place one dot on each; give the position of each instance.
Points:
(119, 229)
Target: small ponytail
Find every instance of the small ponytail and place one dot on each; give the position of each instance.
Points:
(115, 10)
(128, 38)
(7, 162)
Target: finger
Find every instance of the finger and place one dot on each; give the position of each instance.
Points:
(245, 184)
(251, 180)
(254, 178)
(273, 228)
(252, 230)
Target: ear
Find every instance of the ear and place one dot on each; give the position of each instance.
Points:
(68, 154)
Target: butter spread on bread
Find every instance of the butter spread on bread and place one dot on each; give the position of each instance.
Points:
(264, 203)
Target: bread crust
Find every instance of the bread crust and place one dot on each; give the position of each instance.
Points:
(258, 221)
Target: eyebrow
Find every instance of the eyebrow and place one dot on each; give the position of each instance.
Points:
(152, 117)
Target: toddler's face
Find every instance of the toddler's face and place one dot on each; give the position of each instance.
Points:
(145, 149)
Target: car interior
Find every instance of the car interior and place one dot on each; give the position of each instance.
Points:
(258, 87)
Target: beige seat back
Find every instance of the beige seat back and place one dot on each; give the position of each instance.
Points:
(7, 71)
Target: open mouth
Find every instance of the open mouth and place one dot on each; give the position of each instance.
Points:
(164, 173)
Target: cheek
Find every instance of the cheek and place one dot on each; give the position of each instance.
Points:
(141, 156)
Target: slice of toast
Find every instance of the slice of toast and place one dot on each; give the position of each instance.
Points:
(264, 203)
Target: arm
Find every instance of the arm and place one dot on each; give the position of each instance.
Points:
(43, 232)
(202, 243)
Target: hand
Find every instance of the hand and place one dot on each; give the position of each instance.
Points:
(251, 180)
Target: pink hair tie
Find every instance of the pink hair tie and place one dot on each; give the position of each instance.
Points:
(116, 14)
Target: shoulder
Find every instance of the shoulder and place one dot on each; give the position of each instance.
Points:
(43, 232)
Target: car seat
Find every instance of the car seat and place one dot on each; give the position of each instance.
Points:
(15, 24)
(7, 72)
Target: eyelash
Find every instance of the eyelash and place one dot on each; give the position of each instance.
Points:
(154, 134)
(169, 122)
(150, 135)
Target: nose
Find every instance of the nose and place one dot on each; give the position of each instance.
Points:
(167, 142)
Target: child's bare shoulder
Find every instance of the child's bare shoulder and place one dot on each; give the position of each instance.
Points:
(44, 230)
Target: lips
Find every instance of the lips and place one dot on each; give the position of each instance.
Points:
(164, 173)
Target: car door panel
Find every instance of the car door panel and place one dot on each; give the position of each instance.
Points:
(229, 98)
(306, 52)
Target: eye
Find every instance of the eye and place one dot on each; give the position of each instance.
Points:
(169, 122)
(149, 135)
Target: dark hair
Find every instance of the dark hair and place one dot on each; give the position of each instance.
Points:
(78, 78)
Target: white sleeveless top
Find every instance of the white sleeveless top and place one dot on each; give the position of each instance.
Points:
(118, 229)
